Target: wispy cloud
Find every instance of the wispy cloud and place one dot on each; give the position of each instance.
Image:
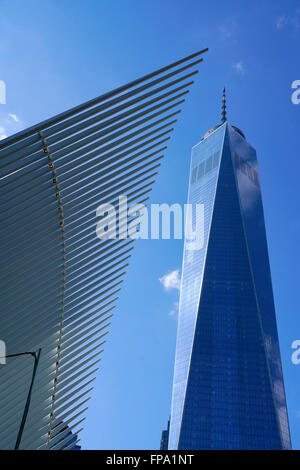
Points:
(289, 21)
(171, 280)
(9, 124)
(228, 29)
(2, 133)
(282, 22)
(239, 68)
(174, 310)
(14, 117)
(295, 22)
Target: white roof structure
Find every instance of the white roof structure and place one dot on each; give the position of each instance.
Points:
(59, 282)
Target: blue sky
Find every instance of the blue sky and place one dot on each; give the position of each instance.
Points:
(55, 55)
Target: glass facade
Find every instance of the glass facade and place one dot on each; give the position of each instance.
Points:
(228, 390)
(165, 438)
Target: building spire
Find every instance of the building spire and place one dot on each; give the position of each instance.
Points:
(223, 107)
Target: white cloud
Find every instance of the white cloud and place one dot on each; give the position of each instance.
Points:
(14, 117)
(174, 310)
(171, 280)
(293, 22)
(282, 22)
(2, 133)
(9, 124)
(239, 68)
(228, 29)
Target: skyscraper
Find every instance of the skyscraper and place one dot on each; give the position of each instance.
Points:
(228, 390)
(165, 438)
